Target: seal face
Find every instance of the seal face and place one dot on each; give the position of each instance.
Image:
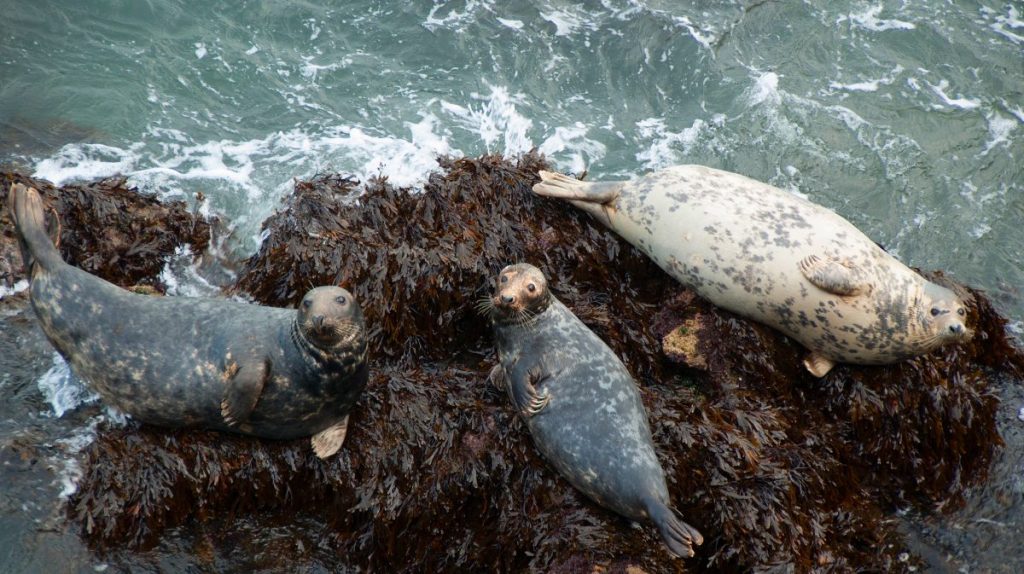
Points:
(193, 362)
(579, 403)
(778, 259)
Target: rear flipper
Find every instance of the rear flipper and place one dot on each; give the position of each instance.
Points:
(679, 537)
(565, 187)
(29, 217)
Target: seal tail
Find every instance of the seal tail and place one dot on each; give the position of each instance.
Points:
(679, 536)
(565, 187)
(29, 217)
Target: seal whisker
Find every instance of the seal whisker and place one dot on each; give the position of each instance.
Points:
(485, 306)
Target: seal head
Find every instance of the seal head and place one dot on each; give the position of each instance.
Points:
(518, 294)
(942, 316)
(329, 319)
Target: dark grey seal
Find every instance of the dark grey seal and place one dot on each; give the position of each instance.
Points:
(579, 403)
(192, 362)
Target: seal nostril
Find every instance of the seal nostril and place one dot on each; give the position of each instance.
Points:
(507, 299)
(956, 329)
(318, 321)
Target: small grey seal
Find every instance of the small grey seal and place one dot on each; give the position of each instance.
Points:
(769, 255)
(193, 362)
(579, 403)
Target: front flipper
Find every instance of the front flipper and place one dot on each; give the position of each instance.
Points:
(835, 276)
(818, 364)
(328, 441)
(522, 387)
(565, 187)
(244, 385)
(497, 378)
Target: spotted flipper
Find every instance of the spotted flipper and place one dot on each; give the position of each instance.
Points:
(565, 187)
(243, 387)
(329, 441)
(818, 364)
(835, 276)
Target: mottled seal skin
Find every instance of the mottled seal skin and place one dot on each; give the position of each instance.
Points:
(776, 258)
(579, 403)
(192, 362)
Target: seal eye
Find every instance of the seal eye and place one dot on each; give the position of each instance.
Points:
(935, 311)
(306, 303)
(961, 311)
(531, 287)
(341, 300)
(504, 278)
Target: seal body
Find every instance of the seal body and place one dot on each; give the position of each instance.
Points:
(776, 258)
(193, 362)
(581, 406)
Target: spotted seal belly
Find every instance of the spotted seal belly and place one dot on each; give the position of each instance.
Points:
(194, 362)
(580, 404)
(771, 256)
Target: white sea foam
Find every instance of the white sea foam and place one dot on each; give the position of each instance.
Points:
(86, 161)
(454, 20)
(496, 120)
(1016, 327)
(583, 150)
(1014, 109)
(62, 390)
(1003, 24)
(662, 151)
(18, 287)
(168, 163)
(871, 85)
(312, 71)
(958, 102)
(514, 24)
(999, 130)
(181, 277)
(567, 21)
(200, 50)
(705, 39)
(314, 28)
(980, 230)
(764, 91)
(869, 20)
(69, 471)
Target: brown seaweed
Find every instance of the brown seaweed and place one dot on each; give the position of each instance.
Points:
(108, 229)
(778, 469)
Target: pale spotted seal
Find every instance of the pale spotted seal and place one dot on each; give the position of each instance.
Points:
(579, 403)
(191, 362)
(769, 255)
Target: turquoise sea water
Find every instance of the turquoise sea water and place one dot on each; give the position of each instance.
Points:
(907, 118)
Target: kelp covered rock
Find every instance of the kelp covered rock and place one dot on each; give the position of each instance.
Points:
(776, 468)
(107, 228)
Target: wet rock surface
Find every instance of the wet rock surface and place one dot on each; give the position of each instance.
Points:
(776, 468)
